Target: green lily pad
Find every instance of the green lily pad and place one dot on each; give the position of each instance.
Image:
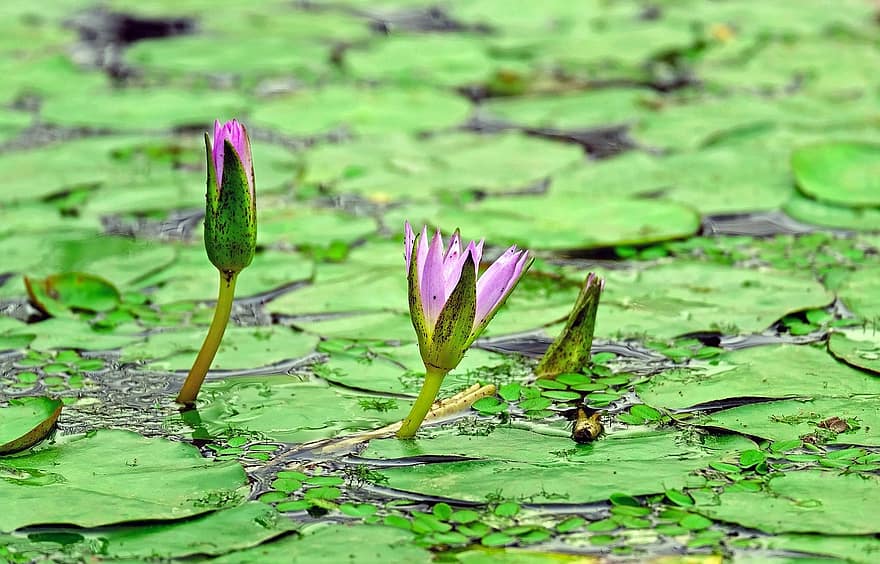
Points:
(443, 60)
(778, 371)
(58, 294)
(399, 369)
(308, 227)
(74, 333)
(845, 174)
(192, 277)
(256, 56)
(859, 347)
(861, 549)
(284, 408)
(860, 292)
(563, 226)
(570, 111)
(680, 298)
(362, 111)
(692, 123)
(827, 215)
(241, 348)
(142, 108)
(720, 179)
(384, 326)
(441, 165)
(348, 287)
(46, 75)
(791, 419)
(219, 532)
(331, 544)
(519, 464)
(27, 421)
(803, 502)
(58, 484)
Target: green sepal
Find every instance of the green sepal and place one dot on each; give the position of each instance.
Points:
(570, 352)
(479, 328)
(449, 340)
(416, 309)
(230, 214)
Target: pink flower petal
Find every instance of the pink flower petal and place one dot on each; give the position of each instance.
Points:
(236, 134)
(408, 239)
(432, 282)
(422, 253)
(494, 284)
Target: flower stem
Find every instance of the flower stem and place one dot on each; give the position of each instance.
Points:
(433, 379)
(199, 370)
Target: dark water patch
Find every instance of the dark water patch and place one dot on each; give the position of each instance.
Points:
(428, 19)
(719, 405)
(754, 224)
(104, 35)
(408, 461)
(598, 142)
(295, 367)
(179, 225)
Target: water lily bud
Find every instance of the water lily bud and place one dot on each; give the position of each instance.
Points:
(448, 304)
(230, 211)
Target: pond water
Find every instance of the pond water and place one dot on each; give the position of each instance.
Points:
(715, 162)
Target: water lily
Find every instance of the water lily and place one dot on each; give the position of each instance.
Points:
(230, 233)
(450, 305)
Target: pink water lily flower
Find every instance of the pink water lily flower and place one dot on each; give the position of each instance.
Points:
(449, 305)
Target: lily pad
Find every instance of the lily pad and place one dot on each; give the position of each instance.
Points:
(58, 484)
(255, 56)
(141, 108)
(284, 408)
(827, 215)
(59, 294)
(777, 372)
(443, 60)
(601, 108)
(331, 544)
(241, 348)
(680, 298)
(860, 292)
(219, 532)
(519, 464)
(845, 174)
(26, 421)
(861, 549)
(555, 224)
(399, 369)
(446, 164)
(192, 277)
(791, 419)
(362, 111)
(859, 347)
(803, 502)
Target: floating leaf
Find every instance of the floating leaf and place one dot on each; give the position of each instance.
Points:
(58, 294)
(27, 421)
(58, 484)
(840, 173)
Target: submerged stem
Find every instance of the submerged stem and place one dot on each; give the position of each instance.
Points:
(433, 378)
(203, 361)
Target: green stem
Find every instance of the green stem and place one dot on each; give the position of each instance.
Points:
(433, 379)
(199, 370)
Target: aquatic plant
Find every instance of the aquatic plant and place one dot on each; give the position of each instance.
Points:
(449, 306)
(230, 233)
